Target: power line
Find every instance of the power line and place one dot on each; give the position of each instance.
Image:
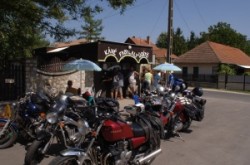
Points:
(157, 20)
(199, 13)
(184, 20)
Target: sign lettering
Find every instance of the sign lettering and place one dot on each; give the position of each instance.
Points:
(122, 53)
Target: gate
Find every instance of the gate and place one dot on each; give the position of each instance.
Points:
(12, 80)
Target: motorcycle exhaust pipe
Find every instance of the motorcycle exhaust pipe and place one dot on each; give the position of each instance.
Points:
(148, 157)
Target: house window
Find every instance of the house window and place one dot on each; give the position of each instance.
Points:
(185, 72)
(195, 72)
(215, 69)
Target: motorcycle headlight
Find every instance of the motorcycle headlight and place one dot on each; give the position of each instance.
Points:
(52, 117)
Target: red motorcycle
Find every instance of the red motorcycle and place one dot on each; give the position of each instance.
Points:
(111, 140)
(177, 109)
(170, 109)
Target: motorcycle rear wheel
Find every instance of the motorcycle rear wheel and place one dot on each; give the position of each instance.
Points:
(34, 155)
(9, 137)
(69, 160)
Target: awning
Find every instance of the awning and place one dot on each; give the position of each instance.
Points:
(245, 66)
(57, 50)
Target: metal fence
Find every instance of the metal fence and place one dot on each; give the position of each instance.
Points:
(230, 82)
(12, 80)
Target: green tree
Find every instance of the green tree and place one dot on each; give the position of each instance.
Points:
(161, 41)
(227, 69)
(247, 48)
(23, 22)
(224, 34)
(92, 29)
(179, 42)
(193, 41)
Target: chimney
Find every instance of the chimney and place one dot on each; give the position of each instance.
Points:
(148, 39)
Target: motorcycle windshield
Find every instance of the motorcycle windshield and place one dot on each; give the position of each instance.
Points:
(60, 105)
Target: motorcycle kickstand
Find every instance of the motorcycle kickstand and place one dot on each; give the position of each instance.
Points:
(179, 135)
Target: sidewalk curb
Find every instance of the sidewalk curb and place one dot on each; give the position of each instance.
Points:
(226, 91)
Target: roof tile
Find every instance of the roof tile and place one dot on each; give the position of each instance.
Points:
(158, 52)
(211, 52)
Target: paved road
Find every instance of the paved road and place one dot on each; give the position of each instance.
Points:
(222, 138)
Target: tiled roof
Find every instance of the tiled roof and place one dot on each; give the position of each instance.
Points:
(158, 52)
(211, 52)
(161, 52)
(70, 43)
(139, 41)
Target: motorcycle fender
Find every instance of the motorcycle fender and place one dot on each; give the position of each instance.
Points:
(12, 124)
(72, 152)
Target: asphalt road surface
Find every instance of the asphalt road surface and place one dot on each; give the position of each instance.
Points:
(222, 138)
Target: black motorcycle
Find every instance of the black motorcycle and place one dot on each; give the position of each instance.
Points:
(26, 121)
(63, 128)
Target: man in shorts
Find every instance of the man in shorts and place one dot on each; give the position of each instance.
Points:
(132, 88)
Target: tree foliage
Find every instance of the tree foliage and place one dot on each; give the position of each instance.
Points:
(193, 41)
(227, 69)
(179, 42)
(25, 23)
(162, 40)
(224, 34)
(92, 29)
(221, 33)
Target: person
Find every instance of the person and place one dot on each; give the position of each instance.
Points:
(174, 81)
(132, 87)
(136, 98)
(87, 95)
(70, 88)
(144, 70)
(148, 78)
(170, 81)
(106, 83)
(115, 84)
(156, 78)
(120, 84)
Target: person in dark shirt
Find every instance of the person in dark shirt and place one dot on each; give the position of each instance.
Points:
(106, 83)
(171, 79)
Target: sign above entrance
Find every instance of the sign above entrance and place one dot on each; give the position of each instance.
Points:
(119, 52)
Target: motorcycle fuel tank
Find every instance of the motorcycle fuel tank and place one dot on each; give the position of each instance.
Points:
(178, 107)
(116, 130)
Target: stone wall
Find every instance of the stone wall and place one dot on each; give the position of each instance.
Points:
(36, 79)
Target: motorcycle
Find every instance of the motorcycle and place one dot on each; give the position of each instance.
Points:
(63, 124)
(26, 121)
(196, 110)
(177, 108)
(109, 139)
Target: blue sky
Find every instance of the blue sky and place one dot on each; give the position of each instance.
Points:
(150, 18)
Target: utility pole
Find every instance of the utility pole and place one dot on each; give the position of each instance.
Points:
(170, 31)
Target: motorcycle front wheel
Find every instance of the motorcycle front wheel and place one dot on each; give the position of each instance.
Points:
(9, 136)
(69, 160)
(34, 153)
(186, 125)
